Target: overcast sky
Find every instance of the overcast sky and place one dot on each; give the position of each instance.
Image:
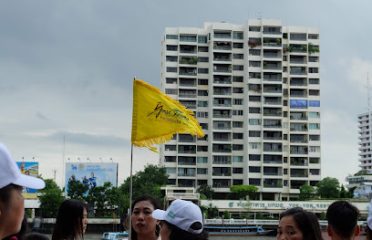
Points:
(66, 69)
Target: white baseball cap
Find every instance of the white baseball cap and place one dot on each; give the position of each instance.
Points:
(10, 172)
(183, 214)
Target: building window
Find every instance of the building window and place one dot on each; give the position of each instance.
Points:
(254, 133)
(172, 47)
(254, 110)
(254, 157)
(254, 145)
(171, 36)
(171, 91)
(238, 35)
(237, 147)
(254, 169)
(237, 159)
(238, 101)
(202, 39)
(237, 135)
(171, 80)
(254, 121)
(172, 69)
(202, 159)
(238, 170)
(202, 171)
(237, 124)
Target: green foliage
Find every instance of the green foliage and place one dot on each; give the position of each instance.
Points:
(103, 200)
(50, 198)
(206, 191)
(76, 189)
(329, 188)
(306, 192)
(244, 190)
(209, 211)
(344, 193)
(149, 181)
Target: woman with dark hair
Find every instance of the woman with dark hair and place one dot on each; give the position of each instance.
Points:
(12, 182)
(144, 226)
(71, 221)
(182, 220)
(296, 223)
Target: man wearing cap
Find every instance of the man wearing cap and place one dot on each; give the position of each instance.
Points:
(342, 219)
(182, 220)
(12, 182)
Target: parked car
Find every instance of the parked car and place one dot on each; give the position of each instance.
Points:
(114, 236)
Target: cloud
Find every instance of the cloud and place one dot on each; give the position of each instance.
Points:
(358, 71)
(89, 139)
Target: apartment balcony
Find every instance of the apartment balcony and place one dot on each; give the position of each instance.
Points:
(272, 42)
(272, 112)
(187, 82)
(298, 71)
(221, 183)
(188, 60)
(188, 71)
(186, 160)
(272, 171)
(221, 171)
(189, 49)
(186, 183)
(271, 53)
(272, 89)
(298, 82)
(276, 77)
(222, 57)
(270, 135)
(273, 183)
(222, 68)
(187, 94)
(226, 91)
(222, 79)
(298, 161)
(299, 173)
(299, 150)
(226, 46)
(298, 116)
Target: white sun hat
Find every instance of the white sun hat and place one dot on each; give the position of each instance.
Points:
(10, 173)
(182, 214)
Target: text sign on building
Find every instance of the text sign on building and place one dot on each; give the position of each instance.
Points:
(92, 174)
(31, 169)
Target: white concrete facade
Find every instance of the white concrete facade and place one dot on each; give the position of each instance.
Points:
(255, 89)
(365, 139)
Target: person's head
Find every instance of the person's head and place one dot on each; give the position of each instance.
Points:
(342, 220)
(298, 224)
(182, 220)
(12, 182)
(71, 221)
(143, 224)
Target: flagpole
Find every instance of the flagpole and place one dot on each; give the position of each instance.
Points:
(130, 193)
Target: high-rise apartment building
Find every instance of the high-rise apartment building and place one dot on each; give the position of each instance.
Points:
(255, 91)
(365, 139)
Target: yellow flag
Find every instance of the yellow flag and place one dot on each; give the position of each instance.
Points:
(156, 117)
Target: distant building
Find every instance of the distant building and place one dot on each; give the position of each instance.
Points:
(255, 91)
(365, 136)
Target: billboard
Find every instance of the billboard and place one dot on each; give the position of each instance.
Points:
(32, 169)
(92, 174)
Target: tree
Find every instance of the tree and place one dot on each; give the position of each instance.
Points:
(50, 199)
(244, 190)
(149, 181)
(329, 188)
(306, 192)
(76, 189)
(209, 211)
(103, 200)
(206, 191)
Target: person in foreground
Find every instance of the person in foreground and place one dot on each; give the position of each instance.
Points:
(144, 226)
(12, 182)
(71, 221)
(298, 224)
(342, 221)
(368, 228)
(182, 220)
